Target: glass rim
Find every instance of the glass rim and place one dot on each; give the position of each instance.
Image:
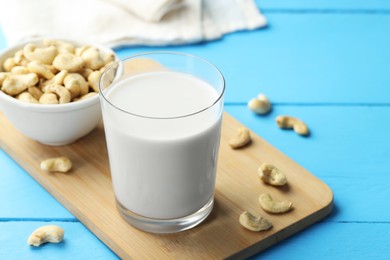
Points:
(144, 54)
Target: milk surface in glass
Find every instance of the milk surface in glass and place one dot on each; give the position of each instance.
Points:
(163, 150)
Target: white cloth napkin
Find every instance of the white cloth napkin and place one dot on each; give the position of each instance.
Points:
(127, 22)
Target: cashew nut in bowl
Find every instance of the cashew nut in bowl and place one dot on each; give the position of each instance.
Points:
(289, 122)
(40, 69)
(61, 46)
(57, 164)
(253, 223)
(48, 98)
(3, 76)
(273, 206)
(20, 70)
(27, 97)
(8, 64)
(45, 234)
(242, 139)
(76, 84)
(93, 80)
(90, 94)
(16, 84)
(68, 61)
(272, 175)
(35, 92)
(43, 55)
(63, 93)
(92, 58)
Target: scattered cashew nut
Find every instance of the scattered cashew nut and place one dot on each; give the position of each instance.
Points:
(57, 164)
(289, 122)
(260, 105)
(254, 223)
(272, 175)
(242, 139)
(45, 234)
(273, 206)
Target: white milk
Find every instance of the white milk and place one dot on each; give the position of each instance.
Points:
(163, 168)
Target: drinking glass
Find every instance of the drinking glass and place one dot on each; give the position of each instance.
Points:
(162, 114)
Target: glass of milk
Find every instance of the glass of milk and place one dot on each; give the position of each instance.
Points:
(162, 115)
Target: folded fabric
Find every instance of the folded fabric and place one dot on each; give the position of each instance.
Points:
(120, 22)
(149, 10)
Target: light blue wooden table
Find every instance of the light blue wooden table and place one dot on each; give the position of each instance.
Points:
(326, 62)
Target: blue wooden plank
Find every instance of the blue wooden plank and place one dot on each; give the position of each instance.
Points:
(21, 197)
(79, 243)
(323, 5)
(309, 58)
(329, 240)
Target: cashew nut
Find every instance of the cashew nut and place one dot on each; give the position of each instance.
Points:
(3, 76)
(35, 92)
(76, 84)
(80, 50)
(92, 58)
(48, 98)
(272, 175)
(68, 61)
(16, 84)
(45, 234)
(27, 97)
(20, 70)
(93, 80)
(254, 223)
(8, 64)
(43, 55)
(260, 105)
(90, 94)
(273, 206)
(57, 164)
(58, 79)
(60, 45)
(289, 122)
(242, 139)
(62, 93)
(40, 69)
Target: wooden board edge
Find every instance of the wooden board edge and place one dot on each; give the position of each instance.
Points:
(287, 232)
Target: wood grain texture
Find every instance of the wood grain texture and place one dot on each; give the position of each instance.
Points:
(87, 193)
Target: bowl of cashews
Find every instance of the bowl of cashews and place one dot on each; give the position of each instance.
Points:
(49, 88)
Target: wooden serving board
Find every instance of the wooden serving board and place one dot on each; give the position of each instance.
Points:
(86, 191)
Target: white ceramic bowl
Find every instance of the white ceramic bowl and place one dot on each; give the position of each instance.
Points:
(57, 124)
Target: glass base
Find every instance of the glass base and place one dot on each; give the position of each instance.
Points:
(166, 225)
